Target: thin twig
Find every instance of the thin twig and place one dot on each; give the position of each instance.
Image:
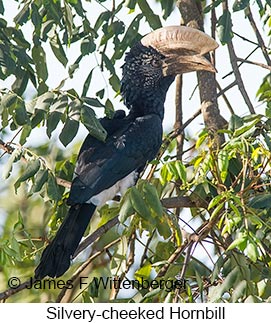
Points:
(240, 64)
(184, 268)
(248, 40)
(258, 35)
(254, 63)
(222, 92)
(228, 87)
(238, 77)
(146, 249)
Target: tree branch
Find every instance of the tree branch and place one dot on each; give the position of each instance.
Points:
(179, 114)
(237, 74)
(192, 16)
(11, 291)
(9, 149)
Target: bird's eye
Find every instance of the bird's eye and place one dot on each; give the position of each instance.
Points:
(156, 63)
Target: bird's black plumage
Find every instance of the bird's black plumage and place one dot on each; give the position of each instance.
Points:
(104, 168)
(132, 140)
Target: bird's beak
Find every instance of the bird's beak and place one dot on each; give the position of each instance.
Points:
(183, 47)
(179, 64)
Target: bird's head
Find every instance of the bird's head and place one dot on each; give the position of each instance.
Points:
(152, 64)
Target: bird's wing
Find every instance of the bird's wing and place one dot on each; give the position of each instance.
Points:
(101, 166)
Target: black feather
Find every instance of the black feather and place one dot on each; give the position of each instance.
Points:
(56, 257)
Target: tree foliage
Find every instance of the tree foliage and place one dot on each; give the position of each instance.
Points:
(204, 200)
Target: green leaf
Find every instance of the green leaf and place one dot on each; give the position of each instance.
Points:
(181, 169)
(36, 18)
(40, 180)
(87, 46)
(240, 5)
(21, 81)
(31, 169)
(130, 37)
(104, 17)
(57, 110)
(126, 208)
(93, 289)
(231, 278)
(44, 101)
(252, 251)
(52, 188)
(131, 4)
(52, 122)
(8, 101)
(168, 7)
(144, 272)
(2, 9)
(69, 131)
(39, 58)
(108, 64)
(239, 242)
(213, 5)
(239, 291)
(87, 83)
(93, 125)
(152, 199)
(261, 201)
(68, 17)
(165, 174)
(215, 201)
(153, 20)
(109, 108)
(7, 168)
(139, 205)
(23, 15)
(224, 27)
(73, 68)
(25, 134)
(163, 229)
(202, 137)
(93, 102)
(246, 130)
(115, 82)
(235, 122)
(58, 50)
(20, 115)
(223, 164)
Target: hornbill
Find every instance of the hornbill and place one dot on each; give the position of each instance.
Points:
(106, 168)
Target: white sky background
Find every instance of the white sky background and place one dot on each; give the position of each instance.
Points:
(252, 75)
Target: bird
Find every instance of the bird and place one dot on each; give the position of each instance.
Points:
(105, 168)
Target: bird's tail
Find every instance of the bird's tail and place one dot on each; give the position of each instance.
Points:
(56, 257)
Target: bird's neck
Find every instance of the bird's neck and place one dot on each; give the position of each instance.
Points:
(148, 101)
(146, 106)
